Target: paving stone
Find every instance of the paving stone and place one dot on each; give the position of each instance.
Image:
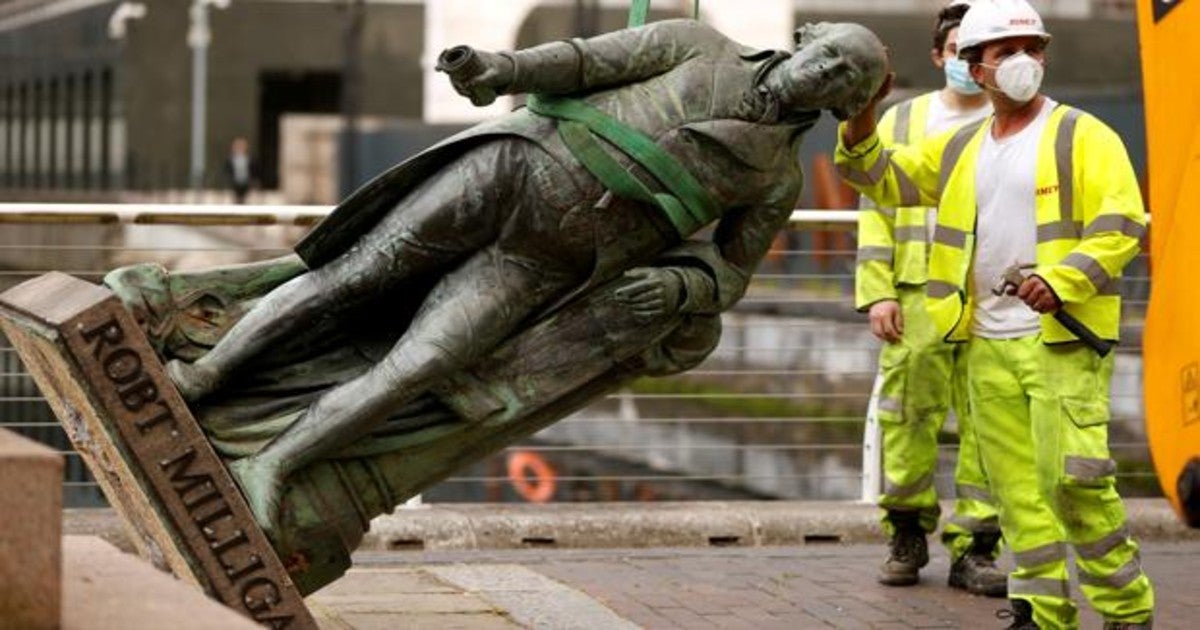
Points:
(802, 620)
(684, 618)
(771, 588)
(725, 621)
(406, 603)
(370, 582)
(532, 599)
(470, 621)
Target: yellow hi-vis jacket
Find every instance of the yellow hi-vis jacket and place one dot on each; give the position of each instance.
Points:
(1087, 203)
(892, 241)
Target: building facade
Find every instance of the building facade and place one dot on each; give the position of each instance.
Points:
(96, 95)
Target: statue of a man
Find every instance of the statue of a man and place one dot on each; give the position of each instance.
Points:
(632, 142)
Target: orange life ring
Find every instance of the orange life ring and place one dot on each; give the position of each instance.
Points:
(531, 476)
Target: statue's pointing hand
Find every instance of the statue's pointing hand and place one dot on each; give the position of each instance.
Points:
(476, 74)
(651, 292)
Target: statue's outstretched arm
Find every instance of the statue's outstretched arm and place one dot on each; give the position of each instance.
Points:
(581, 65)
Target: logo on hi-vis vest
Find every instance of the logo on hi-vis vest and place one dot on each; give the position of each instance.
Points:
(1163, 7)
(1047, 190)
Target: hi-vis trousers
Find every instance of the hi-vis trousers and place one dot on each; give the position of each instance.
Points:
(922, 379)
(1041, 414)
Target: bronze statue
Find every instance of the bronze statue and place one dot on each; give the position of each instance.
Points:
(502, 278)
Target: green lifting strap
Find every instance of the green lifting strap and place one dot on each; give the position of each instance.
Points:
(688, 206)
(622, 183)
(640, 10)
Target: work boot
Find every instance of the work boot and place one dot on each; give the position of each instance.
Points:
(976, 572)
(1021, 615)
(909, 550)
(1125, 625)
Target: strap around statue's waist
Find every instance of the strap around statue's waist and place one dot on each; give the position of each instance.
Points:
(686, 204)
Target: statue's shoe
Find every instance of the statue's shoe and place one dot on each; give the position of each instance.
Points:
(193, 382)
(262, 486)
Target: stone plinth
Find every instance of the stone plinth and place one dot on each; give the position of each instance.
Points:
(30, 533)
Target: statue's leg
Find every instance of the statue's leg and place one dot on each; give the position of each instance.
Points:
(470, 311)
(439, 223)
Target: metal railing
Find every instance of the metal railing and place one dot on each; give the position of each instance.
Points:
(778, 411)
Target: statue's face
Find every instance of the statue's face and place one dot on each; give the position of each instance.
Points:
(836, 66)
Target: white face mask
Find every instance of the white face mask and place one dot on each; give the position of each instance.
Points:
(958, 77)
(1020, 77)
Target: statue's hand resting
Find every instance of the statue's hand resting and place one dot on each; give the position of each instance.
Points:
(652, 292)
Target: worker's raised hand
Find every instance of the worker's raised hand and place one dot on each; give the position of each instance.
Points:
(885, 88)
(859, 126)
(651, 292)
(1037, 293)
(887, 322)
(476, 74)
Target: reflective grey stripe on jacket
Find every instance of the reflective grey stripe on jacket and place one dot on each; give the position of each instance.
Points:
(954, 150)
(1064, 146)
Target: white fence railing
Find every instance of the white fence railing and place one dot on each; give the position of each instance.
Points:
(780, 410)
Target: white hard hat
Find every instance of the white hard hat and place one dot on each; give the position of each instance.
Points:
(990, 20)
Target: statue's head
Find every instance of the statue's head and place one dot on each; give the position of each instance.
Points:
(837, 66)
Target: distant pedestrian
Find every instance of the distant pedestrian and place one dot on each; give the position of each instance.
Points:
(240, 169)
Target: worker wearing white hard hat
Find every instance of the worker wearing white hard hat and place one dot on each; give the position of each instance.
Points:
(921, 377)
(1041, 195)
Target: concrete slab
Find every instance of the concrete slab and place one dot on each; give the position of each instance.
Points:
(30, 533)
(532, 599)
(106, 588)
(474, 621)
(409, 603)
(395, 597)
(372, 582)
(451, 526)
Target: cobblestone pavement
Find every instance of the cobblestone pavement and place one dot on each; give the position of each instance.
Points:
(814, 586)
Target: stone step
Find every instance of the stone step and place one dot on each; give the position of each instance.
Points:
(30, 533)
(105, 588)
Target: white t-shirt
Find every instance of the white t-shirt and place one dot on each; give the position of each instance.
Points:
(1006, 227)
(941, 118)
